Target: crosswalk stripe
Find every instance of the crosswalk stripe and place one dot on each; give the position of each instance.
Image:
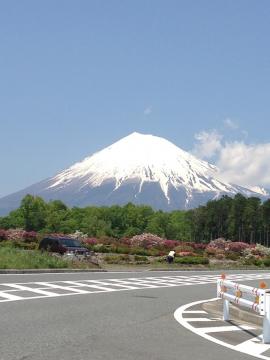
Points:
(114, 284)
(200, 319)
(37, 291)
(109, 285)
(54, 286)
(212, 329)
(10, 296)
(92, 286)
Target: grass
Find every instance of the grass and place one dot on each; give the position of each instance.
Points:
(12, 258)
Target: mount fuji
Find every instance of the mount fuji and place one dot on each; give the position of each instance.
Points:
(143, 169)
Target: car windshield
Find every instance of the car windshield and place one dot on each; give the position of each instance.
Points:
(70, 242)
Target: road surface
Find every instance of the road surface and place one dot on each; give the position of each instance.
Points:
(107, 316)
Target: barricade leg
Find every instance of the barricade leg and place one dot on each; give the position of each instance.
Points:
(226, 310)
(266, 320)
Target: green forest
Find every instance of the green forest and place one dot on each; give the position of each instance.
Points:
(237, 219)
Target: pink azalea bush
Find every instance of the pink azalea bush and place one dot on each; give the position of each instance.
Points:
(90, 241)
(20, 235)
(198, 246)
(15, 234)
(30, 236)
(237, 246)
(170, 244)
(186, 253)
(146, 241)
(3, 234)
(183, 247)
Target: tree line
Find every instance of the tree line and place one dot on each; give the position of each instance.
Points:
(237, 219)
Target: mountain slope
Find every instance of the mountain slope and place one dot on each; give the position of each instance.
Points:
(142, 169)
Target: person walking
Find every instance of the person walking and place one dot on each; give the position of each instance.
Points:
(170, 257)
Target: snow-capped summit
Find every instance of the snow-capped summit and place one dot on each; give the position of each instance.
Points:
(143, 169)
(144, 158)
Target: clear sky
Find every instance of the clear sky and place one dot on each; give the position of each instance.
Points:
(75, 76)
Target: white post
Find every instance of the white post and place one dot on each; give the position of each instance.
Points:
(266, 320)
(226, 310)
(218, 288)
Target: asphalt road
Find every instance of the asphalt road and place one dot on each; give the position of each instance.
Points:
(112, 325)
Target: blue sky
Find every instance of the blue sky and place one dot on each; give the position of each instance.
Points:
(75, 76)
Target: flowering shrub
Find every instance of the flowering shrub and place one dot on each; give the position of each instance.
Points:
(231, 255)
(186, 253)
(30, 236)
(170, 244)
(198, 246)
(210, 251)
(146, 240)
(90, 241)
(237, 246)
(3, 234)
(79, 235)
(219, 243)
(183, 247)
(15, 234)
(261, 250)
(258, 251)
(125, 241)
(220, 255)
(58, 235)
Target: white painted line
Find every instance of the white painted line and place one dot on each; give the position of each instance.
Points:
(105, 285)
(216, 329)
(136, 282)
(253, 347)
(178, 315)
(54, 286)
(113, 284)
(200, 319)
(195, 312)
(37, 291)
(93, 286)
(9, 296)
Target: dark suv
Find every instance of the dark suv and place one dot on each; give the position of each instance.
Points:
(63, 245)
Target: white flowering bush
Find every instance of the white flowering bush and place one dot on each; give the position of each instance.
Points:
(79, 235)
(146, 240)
(262, 250)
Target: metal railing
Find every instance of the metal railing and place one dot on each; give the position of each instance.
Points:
(253, 299)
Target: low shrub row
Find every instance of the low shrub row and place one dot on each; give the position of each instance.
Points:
(125, 259)
(192, 260)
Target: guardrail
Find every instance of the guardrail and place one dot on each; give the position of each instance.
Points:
(253, 299)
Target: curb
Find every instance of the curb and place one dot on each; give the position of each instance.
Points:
(236, 313)
(46, 271)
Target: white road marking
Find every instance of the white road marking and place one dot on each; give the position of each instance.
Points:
(91, 286)
(225, 328)
(195, 312)
(251, 347)
(77, 287)
(199, 319)
(9, 296)
(54, 286)
(27, 288)
(114, 284)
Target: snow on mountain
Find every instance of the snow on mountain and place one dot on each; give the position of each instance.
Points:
(146, 158)
(259, 190)
(143, 169)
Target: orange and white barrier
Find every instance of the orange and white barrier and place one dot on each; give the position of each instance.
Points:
(254, 299)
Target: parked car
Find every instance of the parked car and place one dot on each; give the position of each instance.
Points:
(63, 245)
